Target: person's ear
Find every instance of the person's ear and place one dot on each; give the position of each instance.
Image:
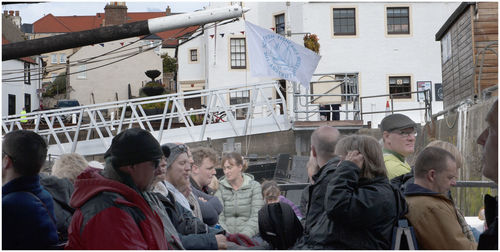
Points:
(313, 151)
(431, 175)
(6, 162)
(194, 168)
(385, 135)
(128, 169)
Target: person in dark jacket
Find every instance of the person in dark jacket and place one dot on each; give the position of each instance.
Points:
(111, 211)
(363, 206)
(318, 227)
(202, 173)
(489, 140)
(27, 209)
(60, 185)
(203, 169)
(193, 233)
(210, 207)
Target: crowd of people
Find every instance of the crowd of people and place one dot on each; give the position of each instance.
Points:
(152, 196)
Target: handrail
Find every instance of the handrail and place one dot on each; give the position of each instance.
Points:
(303, 103)
(475, 184)
(96, 118)
(427, 107)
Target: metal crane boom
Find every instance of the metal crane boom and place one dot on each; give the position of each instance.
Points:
(110, 33)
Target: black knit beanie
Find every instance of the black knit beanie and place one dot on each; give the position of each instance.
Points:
(133, 146)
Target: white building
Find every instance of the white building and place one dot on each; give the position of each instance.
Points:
(20, 81)
(103, 72)
(390, 46)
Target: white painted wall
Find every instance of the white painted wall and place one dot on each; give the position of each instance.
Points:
(18, 88)
(371, 53)
(104, 82)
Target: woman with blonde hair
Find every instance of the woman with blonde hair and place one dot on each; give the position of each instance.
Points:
(60, 185)
(360, 200)
(69, 166)
(240, 195)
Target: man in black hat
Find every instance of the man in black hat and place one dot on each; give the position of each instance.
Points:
(399, 134)
(111, 211)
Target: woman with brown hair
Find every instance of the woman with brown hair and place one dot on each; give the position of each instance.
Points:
(240, 195)
(359, 199)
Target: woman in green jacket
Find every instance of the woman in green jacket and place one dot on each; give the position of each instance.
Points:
(241, 197)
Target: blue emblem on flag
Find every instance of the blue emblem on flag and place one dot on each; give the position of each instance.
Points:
(281, 55)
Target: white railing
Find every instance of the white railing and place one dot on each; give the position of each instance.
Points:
(65, 128)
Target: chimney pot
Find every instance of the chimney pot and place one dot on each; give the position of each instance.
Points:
(168, 11)
(5, 13)
(17, 13)
(11, 13)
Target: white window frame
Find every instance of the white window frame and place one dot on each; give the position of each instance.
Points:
(82, 75)
(197, 55)
(446, 47)
(276, 25)
(235, 67)
(53, 58)
(27, 73)
(410, 22)
(62, 58)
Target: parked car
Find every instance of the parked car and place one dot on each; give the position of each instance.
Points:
(66, 104)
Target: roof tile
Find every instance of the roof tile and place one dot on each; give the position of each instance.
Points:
(63, 24)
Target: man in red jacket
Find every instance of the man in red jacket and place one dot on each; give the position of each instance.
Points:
(111, 211)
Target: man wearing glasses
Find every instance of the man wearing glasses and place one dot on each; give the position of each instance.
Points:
(399, 134)
(111, 209)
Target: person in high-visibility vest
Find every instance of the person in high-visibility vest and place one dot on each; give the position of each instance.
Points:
(23, 118)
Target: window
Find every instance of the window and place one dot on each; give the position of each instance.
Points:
(398, 20)
(53, 77)
(239, 97)
(446, 47)
(279, 22)
(193, 55)
(27, 102)
(62, 58)
(12, 104)
(400, 84)
(344, 21)
(27, 73)
(238, 53)
(54, 58)
(349, 86)
(82, 72)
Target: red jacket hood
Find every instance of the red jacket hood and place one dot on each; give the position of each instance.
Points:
(90, 182)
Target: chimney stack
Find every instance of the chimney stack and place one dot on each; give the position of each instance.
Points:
(168, 11)
(115, 13)
(5, 13)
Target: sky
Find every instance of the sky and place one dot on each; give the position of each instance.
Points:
(33, 11)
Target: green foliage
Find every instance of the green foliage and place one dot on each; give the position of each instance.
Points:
(311, 42)
(56, 87)
(197, 119)
(169, 64)
(153, 84)
(156, 105)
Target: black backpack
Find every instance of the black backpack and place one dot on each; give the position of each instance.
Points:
(279, 226)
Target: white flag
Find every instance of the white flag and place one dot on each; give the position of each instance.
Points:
(272, 55)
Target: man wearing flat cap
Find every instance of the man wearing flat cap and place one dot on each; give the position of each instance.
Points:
(111, 210)
(399, 134)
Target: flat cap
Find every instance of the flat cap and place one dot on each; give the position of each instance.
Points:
(396, 122)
